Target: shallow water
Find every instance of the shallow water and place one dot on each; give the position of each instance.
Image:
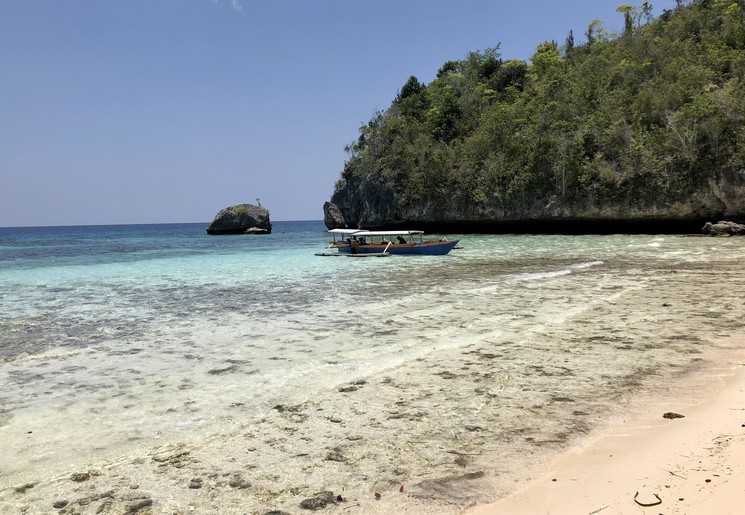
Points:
(125, 346)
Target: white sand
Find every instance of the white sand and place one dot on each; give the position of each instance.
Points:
(695, 465)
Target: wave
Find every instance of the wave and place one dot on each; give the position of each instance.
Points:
(537, 276)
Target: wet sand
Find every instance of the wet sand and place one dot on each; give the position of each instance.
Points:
(652, 464)
(377, 446)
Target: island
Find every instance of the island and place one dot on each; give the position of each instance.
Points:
(631, 132)
(241, 219)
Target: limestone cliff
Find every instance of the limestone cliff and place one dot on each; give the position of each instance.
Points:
(374, 204)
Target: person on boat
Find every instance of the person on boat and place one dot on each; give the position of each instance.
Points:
(400, 239)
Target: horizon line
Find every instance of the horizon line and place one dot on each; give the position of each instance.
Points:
(128, 224)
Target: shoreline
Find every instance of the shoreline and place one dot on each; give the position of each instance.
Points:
(694, 464)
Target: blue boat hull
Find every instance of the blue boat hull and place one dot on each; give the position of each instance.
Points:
(438, 248)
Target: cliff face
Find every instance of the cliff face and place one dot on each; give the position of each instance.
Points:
(374, 204)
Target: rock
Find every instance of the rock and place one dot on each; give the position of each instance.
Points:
(276, 512)
(85, 501)
(336, 456)
(321, 500)
(724, 228)
(462, 487)
(218, 371)
(239, 219)
(22, 489)
(238, 482)
(670, 415)
(59, 504)
(332, 216)
(79, 477)
(195, 483)
(136, 505)
(347, 389)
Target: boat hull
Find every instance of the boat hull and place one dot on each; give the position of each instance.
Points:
(427, 248)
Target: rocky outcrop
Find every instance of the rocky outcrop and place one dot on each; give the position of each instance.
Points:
(724, 228)
(332, 216)
(373, 204)
(240, 219)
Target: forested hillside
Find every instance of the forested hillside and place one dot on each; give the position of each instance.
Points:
(642, 126)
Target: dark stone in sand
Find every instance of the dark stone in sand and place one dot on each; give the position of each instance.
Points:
(195, 483)
(473, 475)
(93, 498)
(80, 476)
(463, 487)
(218, 371)
(22, 489)
(276, 512)
(670, 415)
(137, 504)
(59, 504)
(336, 456)
(292, 409)
(320, 501)
(238, 482)
(345, 389)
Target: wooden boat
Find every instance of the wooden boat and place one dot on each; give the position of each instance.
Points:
(362, 243)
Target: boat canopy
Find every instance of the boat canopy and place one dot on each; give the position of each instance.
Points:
(385, 233)
(344, 231)
(362, 232)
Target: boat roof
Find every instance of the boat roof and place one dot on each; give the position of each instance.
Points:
(363, 232)
(344, 231)
(385, 233)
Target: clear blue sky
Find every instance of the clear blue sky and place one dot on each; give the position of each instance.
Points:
(148, 111)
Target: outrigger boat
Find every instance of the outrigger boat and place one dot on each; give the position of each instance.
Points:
(362, 243)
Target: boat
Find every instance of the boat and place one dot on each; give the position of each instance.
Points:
(363, 243)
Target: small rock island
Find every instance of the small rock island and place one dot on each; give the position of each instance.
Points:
(241, 219)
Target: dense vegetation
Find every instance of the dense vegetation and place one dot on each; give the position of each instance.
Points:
(645, 115)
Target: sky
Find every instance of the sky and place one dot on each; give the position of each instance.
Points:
(166, 111)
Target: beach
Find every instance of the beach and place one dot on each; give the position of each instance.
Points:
(650, 464)
(155, 370)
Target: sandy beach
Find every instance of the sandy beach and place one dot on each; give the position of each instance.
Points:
(652, 464)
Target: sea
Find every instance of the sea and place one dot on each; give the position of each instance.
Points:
(158, 365)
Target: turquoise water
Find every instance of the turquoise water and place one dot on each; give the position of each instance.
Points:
(117, 342)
